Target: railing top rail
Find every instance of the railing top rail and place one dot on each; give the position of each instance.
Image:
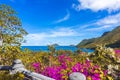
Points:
(17, 66)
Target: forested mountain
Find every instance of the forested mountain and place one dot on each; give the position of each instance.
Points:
(110, 39)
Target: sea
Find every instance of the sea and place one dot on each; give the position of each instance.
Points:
(45, 48)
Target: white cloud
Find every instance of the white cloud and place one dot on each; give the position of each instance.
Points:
(99, 28)
(34, 39)
(97, 5)
(65, 18)
(44, 38)
(63, 32)
(106, 23)
(110, 20)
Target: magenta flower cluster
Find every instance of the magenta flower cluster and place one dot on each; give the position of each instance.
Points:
(117, 53)
(62, 71)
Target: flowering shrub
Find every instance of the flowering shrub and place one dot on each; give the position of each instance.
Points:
(58, 66)
(62, 71)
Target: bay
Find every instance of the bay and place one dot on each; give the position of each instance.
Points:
(45, 48)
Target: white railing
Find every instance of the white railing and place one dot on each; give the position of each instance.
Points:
(17, 66)
(1, 41)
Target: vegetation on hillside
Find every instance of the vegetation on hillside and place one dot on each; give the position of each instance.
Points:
(110, 39)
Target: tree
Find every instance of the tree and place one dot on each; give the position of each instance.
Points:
(11, 31)
(51, 48)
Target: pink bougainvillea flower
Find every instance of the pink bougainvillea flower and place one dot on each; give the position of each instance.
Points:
(37, 64)
(63, 70)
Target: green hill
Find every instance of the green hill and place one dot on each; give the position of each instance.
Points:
(110, 39)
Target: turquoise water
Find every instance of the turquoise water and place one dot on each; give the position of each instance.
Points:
(45, 48)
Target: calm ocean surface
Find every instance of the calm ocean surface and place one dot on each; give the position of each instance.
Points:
(45, 48)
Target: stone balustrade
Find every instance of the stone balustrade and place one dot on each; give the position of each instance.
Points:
(18, 66)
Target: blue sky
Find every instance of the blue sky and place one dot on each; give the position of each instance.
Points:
(65, 22)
